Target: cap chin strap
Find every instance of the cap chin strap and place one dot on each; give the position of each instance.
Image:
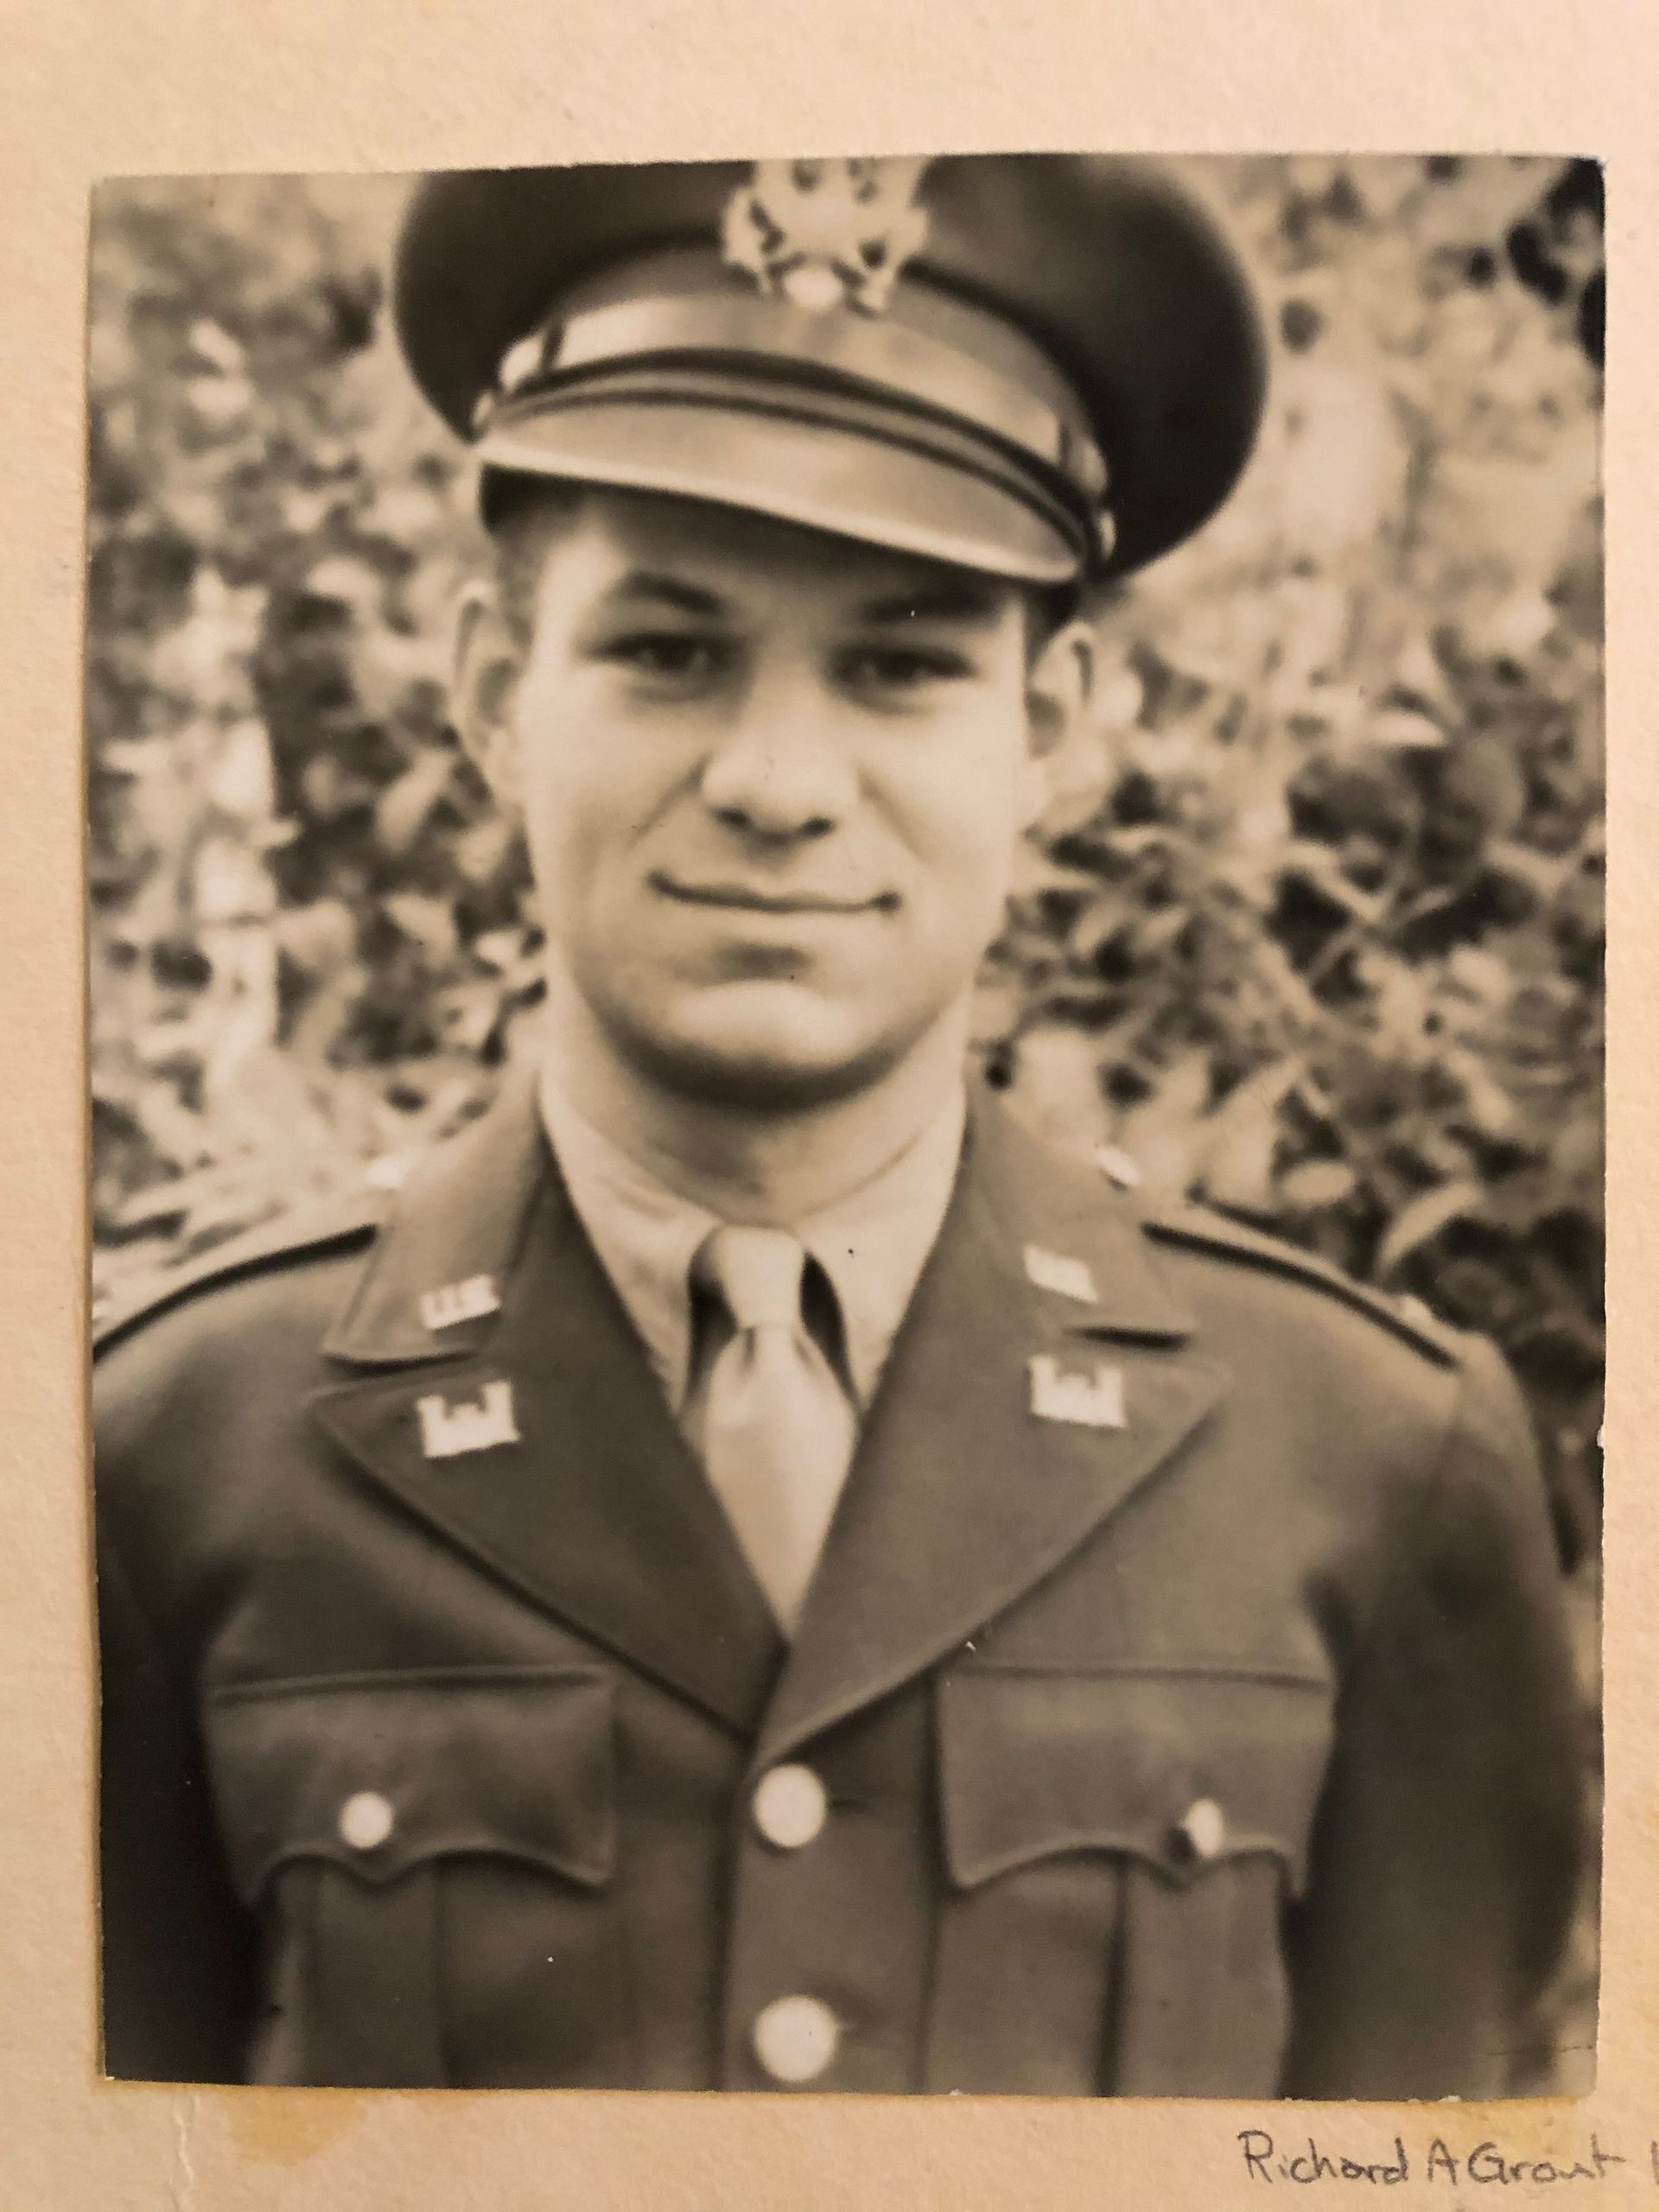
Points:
(750, 389)
(888, 358)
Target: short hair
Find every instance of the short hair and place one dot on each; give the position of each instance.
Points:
(524, 513)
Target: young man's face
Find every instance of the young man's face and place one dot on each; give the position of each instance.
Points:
(772, 783)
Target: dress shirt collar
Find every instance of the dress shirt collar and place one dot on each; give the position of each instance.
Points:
(872, 1244)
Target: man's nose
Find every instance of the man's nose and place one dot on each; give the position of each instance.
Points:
(781, 769)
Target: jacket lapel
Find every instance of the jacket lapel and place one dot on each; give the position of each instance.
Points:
(973, 1483)
(573, 1485)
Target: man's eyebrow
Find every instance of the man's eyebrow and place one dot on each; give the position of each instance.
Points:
(956, 599)
(672, 591)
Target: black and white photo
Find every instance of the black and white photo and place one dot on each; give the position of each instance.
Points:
(847, 1125)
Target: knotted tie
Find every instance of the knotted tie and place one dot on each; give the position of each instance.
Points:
(775, 1427)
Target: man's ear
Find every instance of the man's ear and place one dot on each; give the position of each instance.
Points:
(1059, 688)
(488, 661)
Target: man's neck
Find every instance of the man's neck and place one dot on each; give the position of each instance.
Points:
(744, 1165)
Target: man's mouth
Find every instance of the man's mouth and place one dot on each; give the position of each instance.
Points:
(752, 898)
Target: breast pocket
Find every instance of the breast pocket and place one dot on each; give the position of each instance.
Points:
(430, 1856)
(1119, 1846)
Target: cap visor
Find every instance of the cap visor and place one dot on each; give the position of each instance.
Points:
(815, 474)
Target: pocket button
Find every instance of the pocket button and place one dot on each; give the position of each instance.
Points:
(1200, 1834)
(367, 1819)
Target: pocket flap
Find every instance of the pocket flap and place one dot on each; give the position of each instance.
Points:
(1180, 1768)
(377, 1772)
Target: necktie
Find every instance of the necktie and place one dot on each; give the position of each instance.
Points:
(775, 1427)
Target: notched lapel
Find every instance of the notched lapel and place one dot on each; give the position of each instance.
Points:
(456, 1225)
(964, 1494)
(572, 1484)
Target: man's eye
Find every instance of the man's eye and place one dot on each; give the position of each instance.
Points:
(902, 668)
(672, 654)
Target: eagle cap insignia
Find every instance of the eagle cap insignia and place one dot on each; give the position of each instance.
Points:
(825, 234)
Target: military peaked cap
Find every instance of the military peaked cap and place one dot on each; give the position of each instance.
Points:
(1043, 366)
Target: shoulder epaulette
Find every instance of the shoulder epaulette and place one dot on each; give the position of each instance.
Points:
(1408, 1318)
(316, 1233)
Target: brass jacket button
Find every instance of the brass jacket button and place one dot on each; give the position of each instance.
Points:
(795, 2039)
(790, 1806)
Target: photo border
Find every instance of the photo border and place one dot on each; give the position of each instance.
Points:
(154, 86)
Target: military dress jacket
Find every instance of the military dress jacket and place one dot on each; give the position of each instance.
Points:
(1181, 1705)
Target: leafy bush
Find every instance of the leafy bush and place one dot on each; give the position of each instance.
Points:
(1313, 930)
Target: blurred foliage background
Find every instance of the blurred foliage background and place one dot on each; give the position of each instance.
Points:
(1313, 931)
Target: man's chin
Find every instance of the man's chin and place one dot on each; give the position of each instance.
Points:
(758, 1065)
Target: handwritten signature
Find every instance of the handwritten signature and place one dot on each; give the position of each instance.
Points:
(1489, 2162)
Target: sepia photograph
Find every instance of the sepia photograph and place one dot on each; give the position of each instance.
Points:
(845, 1011)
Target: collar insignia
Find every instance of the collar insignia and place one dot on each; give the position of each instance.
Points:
(1058, 1272)
(478, 1424)
(826, 235)
(454, 1302)
(1093, 1401)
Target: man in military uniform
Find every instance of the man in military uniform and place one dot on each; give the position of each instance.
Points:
(755, 1574)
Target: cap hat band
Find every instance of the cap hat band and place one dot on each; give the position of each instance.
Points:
(871, 416)
(890, 355)
(932, 350)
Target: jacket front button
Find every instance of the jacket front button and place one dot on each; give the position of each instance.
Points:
(795, 2039)
(367, 1819)
(790, 1805)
